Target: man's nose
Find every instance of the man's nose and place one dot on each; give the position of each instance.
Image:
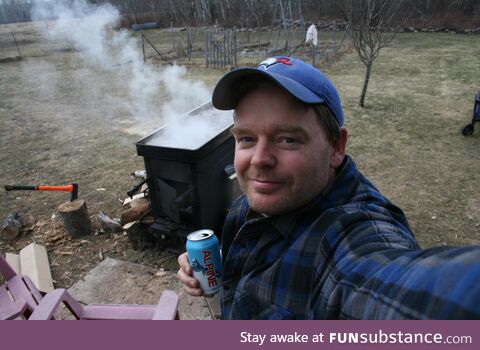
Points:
(263, 155)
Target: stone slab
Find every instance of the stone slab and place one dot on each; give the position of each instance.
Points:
(14, 261)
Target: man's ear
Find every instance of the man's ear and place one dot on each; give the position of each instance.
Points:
(338, 148)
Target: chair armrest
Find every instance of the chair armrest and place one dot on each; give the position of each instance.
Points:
(167, 308)
(50, 302)
(13, 310)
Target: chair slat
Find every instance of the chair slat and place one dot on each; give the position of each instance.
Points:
(19, 291)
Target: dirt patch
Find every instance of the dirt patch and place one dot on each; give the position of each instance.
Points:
(64, 120)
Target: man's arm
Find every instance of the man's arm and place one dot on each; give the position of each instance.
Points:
(372, 275)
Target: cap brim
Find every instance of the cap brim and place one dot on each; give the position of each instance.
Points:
(225, 94)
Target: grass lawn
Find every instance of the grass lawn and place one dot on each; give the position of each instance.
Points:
(62, 121)
(407, 139)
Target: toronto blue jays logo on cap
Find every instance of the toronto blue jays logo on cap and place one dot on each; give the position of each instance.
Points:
(275, 60)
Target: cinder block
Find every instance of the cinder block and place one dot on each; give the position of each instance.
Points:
(34, 264)
(14, 261)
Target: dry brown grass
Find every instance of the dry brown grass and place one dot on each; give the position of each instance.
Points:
(407, 140)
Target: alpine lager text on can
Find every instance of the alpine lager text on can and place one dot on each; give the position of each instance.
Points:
(204, 257)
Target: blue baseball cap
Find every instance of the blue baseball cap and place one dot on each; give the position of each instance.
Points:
(301, 80)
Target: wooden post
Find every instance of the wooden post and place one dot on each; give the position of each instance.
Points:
(189, 44)
(234, 48)
(153, 47)
(314, 55)
(214, 47)
(259, 30)
(216, 51)
(75, 218)
(173, 39)
(143, 48)
(286, 40)
(225, 48)
(16, 44)
(206, 47)
(3, 51)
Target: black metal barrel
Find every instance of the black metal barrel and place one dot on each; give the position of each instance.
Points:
(185, 163)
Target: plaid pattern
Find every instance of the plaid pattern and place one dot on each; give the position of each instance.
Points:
(349, 254)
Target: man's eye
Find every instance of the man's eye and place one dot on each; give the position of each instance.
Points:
(245, 139)
(288, 140)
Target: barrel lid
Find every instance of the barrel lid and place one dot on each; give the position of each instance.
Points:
(192, 131)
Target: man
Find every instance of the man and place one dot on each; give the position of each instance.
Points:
(311, 238)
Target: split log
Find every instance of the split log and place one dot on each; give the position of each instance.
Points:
(75, 218)
(11, 227)
(133, 214)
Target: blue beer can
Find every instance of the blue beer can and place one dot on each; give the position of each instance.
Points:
(204, 257)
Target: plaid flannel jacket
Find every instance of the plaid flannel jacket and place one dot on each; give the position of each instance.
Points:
(349, 254)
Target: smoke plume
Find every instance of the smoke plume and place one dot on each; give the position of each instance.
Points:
(92, 31)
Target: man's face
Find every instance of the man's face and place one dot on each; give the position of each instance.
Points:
(282, 157)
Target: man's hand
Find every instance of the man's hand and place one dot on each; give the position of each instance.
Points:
(185, 275)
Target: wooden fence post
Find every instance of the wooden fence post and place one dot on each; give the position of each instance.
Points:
(143, 48)
(16, 44)
(189, 45)
(3, 51)
(207, 33)
(314, 55)
(173, 39)
(234, 48)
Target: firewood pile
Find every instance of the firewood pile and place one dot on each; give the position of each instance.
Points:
(135, 217)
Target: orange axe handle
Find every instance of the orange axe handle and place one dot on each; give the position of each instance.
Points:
(66, 188)
(73, 189)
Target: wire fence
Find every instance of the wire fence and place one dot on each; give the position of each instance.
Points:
(220, 47)
(9, 48)
(209, 46)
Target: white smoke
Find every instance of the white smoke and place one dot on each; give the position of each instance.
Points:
(86, 26)
(192, 131)
(92, 31)
(180, 90)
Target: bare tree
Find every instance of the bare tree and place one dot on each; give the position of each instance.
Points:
(372, 24)
(258, 10)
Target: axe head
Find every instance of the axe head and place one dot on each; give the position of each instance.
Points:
(74, 192)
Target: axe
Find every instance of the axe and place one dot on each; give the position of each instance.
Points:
(72, 188)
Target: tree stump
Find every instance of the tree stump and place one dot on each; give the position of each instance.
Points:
(75, 218)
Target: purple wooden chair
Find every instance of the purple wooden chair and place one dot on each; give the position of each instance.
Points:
(18, 295)
(166, 309)
(20, 299)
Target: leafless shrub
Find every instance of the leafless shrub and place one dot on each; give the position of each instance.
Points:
(372, 24)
